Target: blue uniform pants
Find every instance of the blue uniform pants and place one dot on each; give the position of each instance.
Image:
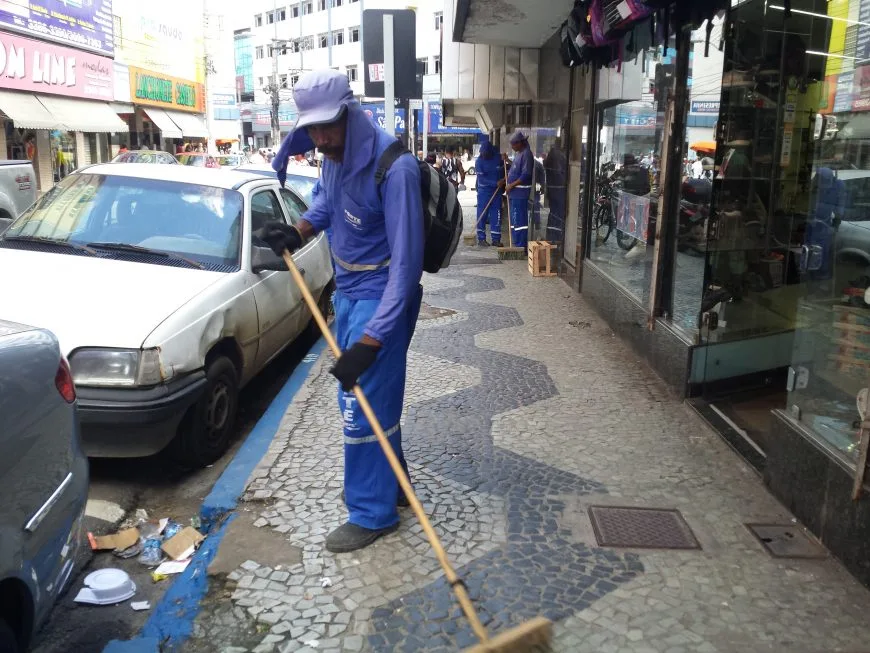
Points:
(493, 215)
(556, 219)
(370, 486)
(520, 221)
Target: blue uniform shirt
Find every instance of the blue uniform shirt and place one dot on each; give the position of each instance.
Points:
(522, 169)
(489, 171)
(379, 236)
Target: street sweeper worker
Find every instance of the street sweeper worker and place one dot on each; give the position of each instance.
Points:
(490, 182)
(377, 248)
(519, 186)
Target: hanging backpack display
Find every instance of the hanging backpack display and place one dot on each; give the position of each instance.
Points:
(442, 214)
(616, 16)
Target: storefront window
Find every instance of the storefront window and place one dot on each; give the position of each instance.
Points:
(831, 354)
(63, 154)
(631, 103)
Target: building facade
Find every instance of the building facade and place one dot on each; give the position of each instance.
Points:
(222, 103)
(160, 73)
(55, 94)
(714, 213)
(317, 34)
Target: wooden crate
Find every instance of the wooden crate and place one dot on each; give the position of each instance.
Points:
(540, 260)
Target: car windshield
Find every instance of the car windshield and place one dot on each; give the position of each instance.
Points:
(200, 223)
(196, 160)
(303, 186)
(139, 157)
(229, 160)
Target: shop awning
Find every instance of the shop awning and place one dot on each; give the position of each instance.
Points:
(27, 112)
(164, 123)
(83, 115)
(192, 124)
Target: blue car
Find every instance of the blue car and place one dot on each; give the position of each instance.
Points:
(45, 477)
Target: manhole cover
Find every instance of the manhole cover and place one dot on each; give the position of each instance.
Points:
(641, 528)
(786, 541)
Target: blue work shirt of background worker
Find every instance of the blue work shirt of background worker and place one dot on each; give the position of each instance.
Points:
(520, 187)
(490, 171)
(379, 229)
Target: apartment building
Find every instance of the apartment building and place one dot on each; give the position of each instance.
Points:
(317, 34)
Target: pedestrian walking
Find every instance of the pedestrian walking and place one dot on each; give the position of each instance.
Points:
(377, 247)
(490, 182)
(519, 186)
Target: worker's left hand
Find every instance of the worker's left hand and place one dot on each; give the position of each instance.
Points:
(353, 363)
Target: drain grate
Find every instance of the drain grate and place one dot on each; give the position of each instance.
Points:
(641, 528)
(786, 541)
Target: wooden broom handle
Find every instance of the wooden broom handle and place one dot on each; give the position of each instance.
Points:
(454, 580)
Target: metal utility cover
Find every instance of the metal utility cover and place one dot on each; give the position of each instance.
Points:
(641, 528)
(786, 541)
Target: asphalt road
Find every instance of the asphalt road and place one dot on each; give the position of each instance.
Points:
(119, 487)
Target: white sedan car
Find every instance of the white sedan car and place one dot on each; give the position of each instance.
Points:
(162, 296)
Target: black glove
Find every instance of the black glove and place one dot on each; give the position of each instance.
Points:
(280, 236)
(353, 363)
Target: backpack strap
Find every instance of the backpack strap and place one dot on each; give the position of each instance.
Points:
(388, 158)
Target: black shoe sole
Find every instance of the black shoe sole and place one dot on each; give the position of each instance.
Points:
(368, 541)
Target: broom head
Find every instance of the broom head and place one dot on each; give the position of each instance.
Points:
(533, 635)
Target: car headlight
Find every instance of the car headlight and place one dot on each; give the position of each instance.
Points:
(116, 367)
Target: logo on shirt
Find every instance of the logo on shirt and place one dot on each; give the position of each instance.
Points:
(352, 220)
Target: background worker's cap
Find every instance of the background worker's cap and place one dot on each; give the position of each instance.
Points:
(519, 137)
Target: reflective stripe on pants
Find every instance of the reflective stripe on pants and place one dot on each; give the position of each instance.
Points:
(520, 222)
(370, 486)
(493, 215)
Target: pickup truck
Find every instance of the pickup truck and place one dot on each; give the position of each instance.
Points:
(17, 190)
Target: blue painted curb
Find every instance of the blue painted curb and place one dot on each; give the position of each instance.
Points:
(171, 621)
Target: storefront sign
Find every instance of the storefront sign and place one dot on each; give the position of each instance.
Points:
(42, 67)
(152, 89)
(704, 106)
(376, 112)
(436, 122)
(85, 25)
(223, 99)
(163, 36)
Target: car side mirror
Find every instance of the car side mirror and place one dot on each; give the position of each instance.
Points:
(263, 258)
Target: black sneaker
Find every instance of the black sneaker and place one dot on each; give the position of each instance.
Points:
(497, 243)
(350, 537)
(482, 243)
(402, 501)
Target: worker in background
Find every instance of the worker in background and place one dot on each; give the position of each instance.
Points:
(556, 166)
(377, 247)
(490, 182)
(519, 187)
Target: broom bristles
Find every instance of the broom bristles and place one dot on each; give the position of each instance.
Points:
(533, 635)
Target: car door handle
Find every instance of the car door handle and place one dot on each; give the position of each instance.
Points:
(301, 271)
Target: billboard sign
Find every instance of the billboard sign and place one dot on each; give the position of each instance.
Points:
(375, 111)
(43, 67)
(86, 25)
(404, 53)
(153, 89)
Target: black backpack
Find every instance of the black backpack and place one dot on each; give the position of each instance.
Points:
(442, 215)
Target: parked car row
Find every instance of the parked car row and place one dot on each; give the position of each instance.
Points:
(148, 302)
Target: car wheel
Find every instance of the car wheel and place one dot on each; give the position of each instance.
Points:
(471, 171)
(205, 432)
(325, 306)
(8, 641)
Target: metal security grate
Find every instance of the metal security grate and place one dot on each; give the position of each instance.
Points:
(786, 541)
(641, 528)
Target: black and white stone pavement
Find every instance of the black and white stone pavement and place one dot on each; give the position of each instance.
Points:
(522, 410)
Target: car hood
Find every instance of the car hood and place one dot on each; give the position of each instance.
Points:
(91, 302)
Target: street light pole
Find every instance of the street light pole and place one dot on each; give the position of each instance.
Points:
(276, 101)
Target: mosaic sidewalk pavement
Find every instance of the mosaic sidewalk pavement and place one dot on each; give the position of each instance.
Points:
(522, 410)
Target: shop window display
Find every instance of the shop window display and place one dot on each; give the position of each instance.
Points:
(63, 154)
(628, 168)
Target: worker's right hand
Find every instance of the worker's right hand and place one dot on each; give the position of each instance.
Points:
(281, 236)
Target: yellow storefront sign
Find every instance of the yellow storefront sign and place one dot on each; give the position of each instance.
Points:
(153, 89)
